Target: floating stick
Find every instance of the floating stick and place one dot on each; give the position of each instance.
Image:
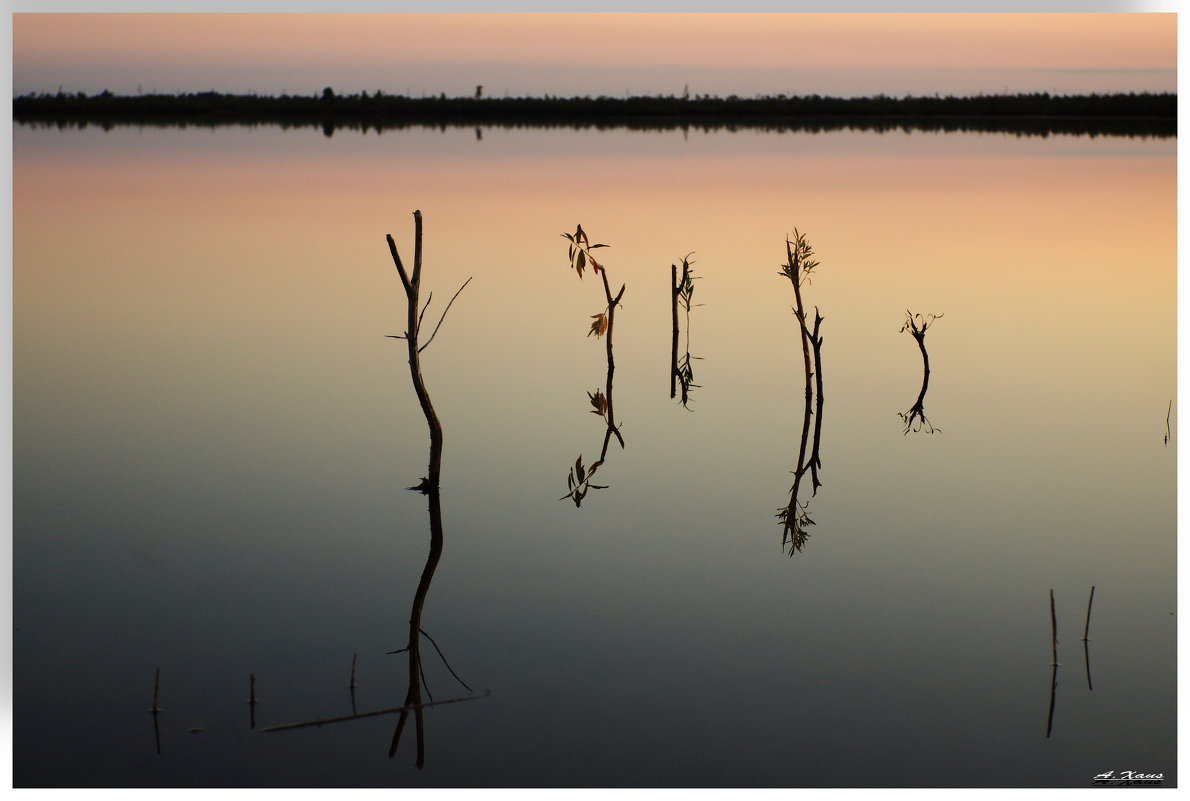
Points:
(1088, 627)
(372, 714)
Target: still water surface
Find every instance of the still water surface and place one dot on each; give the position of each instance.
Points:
(213, 437)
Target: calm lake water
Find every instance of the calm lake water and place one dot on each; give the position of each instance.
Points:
(212, 439)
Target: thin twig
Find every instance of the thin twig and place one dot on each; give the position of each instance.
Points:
(423, 310)
(392, 246)
(1087, 629)
(156, 692)
(1054, 627)
(443, 656)
(443, 317)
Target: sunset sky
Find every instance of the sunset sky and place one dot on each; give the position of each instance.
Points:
(613, 54)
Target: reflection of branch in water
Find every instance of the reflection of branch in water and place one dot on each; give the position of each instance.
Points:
(578, 479)
(429, 486)
(681, 371)
(1049, 723)
(795, 517)
(413, 700)
(157, 710)
(1168, 412)
(915, 418)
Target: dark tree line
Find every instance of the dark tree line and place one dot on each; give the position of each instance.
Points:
(1146, 114)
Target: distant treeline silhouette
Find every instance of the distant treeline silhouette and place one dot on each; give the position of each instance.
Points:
(1144, 114)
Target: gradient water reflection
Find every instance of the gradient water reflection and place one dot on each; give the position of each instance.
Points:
(213, 436)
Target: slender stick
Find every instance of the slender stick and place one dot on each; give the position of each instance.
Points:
(448, 667)
(1054, 626)
(1087, 629)
(815, 460)
(353, 658)
(443, 317)
(156, 692)
(372, 714)
(673, 298)
(412, 288)
(612, 303)
(252, 700)
(1049, 725)
(1087, 661)
(800, 312)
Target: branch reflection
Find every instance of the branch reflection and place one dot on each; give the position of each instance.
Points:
(915, 419)
(681, 371)
(578, 479)
(795, 517)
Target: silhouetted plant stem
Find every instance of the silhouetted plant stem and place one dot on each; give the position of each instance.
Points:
(1054, 626)
(917, 325)
(156, 692)
(1049, 723)
(797, 268)
(580, 257)
(1087, 662)
(412, 285)
(673, 361)
(815, 461)
(252, 700)
(611, 317)
(1087, 628)
(413, 700)
(156, 710)
(794, 256)
(352, 685)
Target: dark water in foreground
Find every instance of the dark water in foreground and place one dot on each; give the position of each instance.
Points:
(213, 437)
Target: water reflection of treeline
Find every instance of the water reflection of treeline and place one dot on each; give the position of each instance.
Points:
(1132, 114)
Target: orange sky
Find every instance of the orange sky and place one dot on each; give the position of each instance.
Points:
(210, 50)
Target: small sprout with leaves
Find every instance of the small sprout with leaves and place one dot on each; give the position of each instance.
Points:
(917, 324)
(598, 324)
(580, 251)
(794, 519)
(686, 285)
(599, 401)
(800, 259)
(579, 481)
